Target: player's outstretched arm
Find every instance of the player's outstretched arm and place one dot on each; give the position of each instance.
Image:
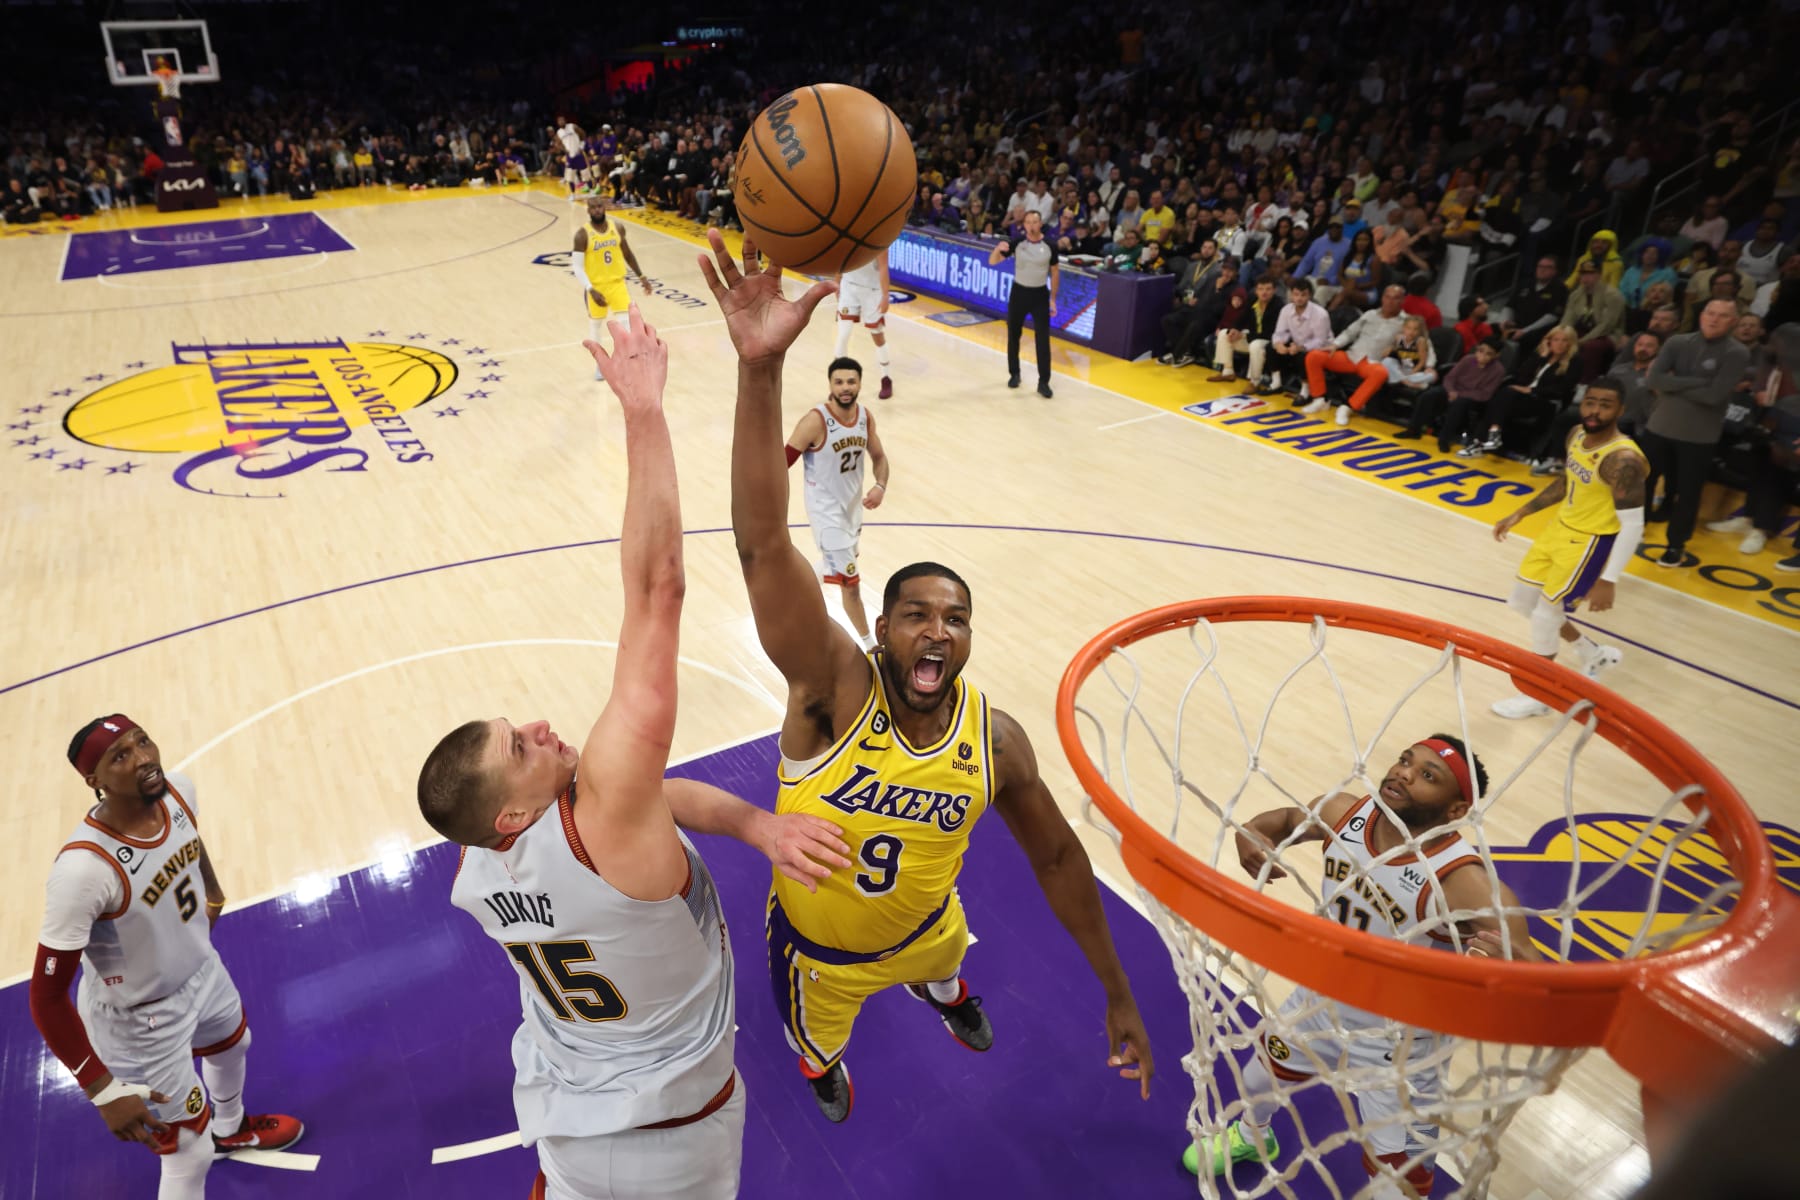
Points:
(1491, 934)
(628, 749)
(1063, 871)
(812, 652)
(1559, 487)
(801, 846)
(1261, 834)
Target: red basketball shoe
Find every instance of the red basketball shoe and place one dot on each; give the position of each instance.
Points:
(261, 1131)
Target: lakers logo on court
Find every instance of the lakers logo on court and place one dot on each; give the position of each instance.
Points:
(253, 419)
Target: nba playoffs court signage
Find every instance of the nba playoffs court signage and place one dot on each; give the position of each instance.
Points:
(255, 420)
(1487, 489)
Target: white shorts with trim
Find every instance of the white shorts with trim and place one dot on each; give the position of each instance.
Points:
(154, 1043)
(1309, 1035)
(701, 1161)
(864, 302)
(837, 551)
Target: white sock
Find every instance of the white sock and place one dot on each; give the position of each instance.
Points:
(184, 1172)
(1586, 647)
(845, 325)
(881, 357)
(223, 1074)
(1275, 380)
(945, 991)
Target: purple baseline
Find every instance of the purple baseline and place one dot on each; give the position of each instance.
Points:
(383, 1017)
(1183, 543)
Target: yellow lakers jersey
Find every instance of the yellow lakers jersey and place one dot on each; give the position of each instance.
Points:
(906, 813)
(1587, 506)
(605, 258)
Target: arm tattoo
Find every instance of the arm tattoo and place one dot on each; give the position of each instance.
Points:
(1547, 497)
(1626, 474)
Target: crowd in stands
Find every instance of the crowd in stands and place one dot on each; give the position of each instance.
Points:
(1274, 164)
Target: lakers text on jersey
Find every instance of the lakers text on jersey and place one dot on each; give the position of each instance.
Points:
(604, 262)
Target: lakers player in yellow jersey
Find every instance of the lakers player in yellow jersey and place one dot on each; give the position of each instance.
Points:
(599, 261)
(1581, 552)
(894, 747)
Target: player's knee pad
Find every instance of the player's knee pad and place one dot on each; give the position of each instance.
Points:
(1524, 598)
(1546, 626)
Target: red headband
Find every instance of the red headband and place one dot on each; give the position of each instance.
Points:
(1458, 763)
(100, 738)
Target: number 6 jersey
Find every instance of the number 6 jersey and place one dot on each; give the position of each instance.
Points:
(628, 1004)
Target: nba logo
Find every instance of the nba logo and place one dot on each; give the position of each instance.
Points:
(172, 131)
(1223, 405)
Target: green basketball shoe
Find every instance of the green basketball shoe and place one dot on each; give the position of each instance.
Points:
(1231, 1148)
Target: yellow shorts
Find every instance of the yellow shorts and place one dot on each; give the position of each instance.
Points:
(819, 1001)
(1564, 563)
(616, 295)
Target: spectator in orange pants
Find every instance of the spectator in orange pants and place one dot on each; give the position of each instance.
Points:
(1357, 351)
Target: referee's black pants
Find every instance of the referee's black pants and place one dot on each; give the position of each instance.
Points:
(1033, 302)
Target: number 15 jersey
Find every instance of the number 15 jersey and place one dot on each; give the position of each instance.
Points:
(628, 1004)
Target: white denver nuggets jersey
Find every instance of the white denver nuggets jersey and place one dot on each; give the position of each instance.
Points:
(158, 935)
(571, 141)
(1394, 899)
(628, 1004)
(834, 472)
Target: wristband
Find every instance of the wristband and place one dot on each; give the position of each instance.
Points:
(215, 904)
(882, 486)
(118, 1090)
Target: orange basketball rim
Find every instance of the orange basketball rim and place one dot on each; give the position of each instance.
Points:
(1683, 1021)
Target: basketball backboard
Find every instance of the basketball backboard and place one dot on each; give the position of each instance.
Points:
(134, 48)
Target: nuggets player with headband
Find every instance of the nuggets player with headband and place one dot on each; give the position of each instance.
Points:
(834, 438)
(863, 295)
(574, 863)
(1393, 871)
(894, 746)
(1581, 552)
(599, 260)
(132, 898)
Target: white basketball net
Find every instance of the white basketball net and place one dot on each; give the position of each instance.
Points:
(1374, 1085)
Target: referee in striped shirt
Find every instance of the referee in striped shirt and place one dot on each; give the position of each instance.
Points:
(1035, 279)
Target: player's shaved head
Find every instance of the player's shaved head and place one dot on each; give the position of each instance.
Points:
(458, 794)
(890, 596)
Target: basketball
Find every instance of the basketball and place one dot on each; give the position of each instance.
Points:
(825, 179)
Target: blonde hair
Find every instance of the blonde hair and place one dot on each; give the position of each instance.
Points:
(1412, 320)
(1573, 339)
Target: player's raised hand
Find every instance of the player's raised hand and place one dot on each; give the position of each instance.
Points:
(763, 323)
(131, 1120)
(638, 367)
(1128, 1044)
(1253, 852)
(803, 847)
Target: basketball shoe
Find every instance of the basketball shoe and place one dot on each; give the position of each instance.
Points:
(887, 389)
(260, 1131)
(962, 1017)
(832, 1090)
(1230, 1147)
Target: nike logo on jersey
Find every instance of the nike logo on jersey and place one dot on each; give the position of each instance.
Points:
(139, 865)
(864, 792)
(863, 744)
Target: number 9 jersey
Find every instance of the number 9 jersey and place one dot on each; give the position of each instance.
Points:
(906, 813)
(628, 1004)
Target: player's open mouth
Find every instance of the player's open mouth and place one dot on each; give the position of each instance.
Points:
(1392, 792)
(928, 672)
(150, 778)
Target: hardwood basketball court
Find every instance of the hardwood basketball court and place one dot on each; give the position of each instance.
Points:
(296, 624)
